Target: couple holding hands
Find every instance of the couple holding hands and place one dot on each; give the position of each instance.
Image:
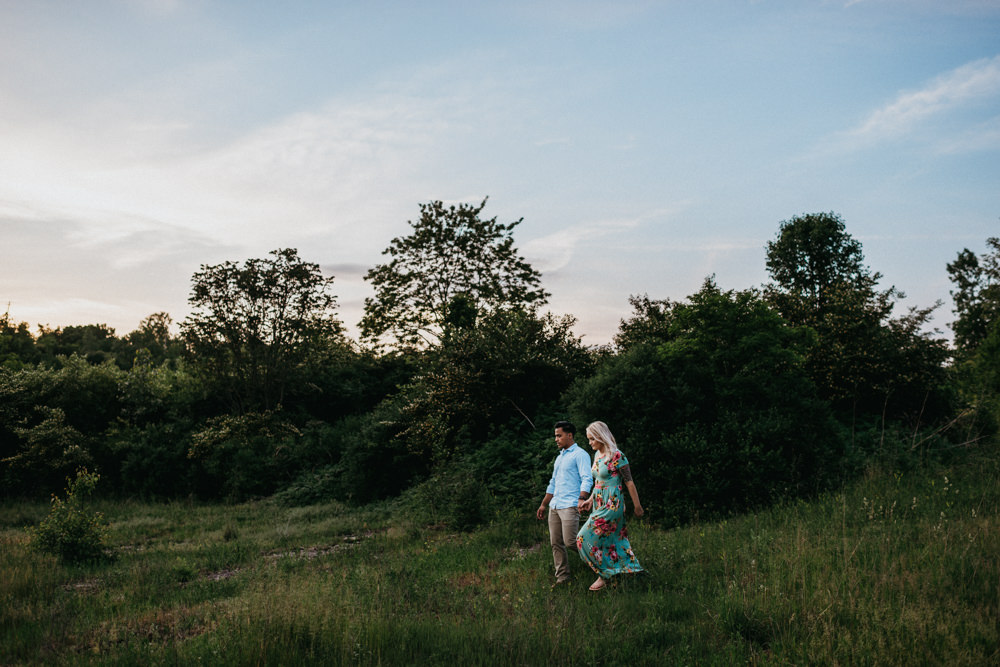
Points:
(603, 541)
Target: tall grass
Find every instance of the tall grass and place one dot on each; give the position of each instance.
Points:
(894, 569)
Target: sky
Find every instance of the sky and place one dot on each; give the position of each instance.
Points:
(646, 145)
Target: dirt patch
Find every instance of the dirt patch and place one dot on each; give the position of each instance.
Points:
(84, 586)
(220, 575)
(519, 553)
(466, 579)
(309, 553)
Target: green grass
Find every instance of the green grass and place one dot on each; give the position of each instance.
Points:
(895, 569)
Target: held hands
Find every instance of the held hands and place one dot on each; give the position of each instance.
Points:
(585, 505)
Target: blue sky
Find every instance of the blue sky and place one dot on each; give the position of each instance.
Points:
(646, 145)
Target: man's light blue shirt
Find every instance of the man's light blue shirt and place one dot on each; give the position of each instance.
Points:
(570, 476)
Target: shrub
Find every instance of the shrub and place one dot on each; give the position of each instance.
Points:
(454, 497)
(49, 449)
(71, 532)
(312, 487)
(716, 411)
(243, 456)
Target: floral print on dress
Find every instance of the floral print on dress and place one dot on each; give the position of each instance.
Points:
(603, 541)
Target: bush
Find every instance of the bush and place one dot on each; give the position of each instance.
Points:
(243, 456)
(716, 411)
(453, 497)
(312, 487)
(151, 461)
(71, 532)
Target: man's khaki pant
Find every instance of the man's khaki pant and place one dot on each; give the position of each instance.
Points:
(564, 524)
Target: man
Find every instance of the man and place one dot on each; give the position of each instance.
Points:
(571, 482)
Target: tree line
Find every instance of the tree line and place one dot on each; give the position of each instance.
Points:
(725, 401)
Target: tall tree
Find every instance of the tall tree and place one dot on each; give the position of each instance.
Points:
(976, 294)
(254, 327)
(863, 356)
(451, 251)
(813, 257)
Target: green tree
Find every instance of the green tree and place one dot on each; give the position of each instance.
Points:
(713, 406)
(254, 327)
(812, 254)
(52, 420)
(153, 336)
(451, 251)
(865, 361)
(976, 294)
(96, 343)
(49, 450)
(503, 368)
(17, 345)
(650, 321)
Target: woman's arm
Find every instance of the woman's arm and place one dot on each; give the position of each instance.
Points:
(636, 505)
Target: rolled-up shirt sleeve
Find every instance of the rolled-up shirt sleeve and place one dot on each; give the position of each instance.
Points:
(586, 478)
(551, 488)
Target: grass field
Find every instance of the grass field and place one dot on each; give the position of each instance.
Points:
(898, 568)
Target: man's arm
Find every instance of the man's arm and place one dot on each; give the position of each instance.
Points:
(540, 512)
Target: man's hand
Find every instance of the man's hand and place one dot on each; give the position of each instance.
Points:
(540, 512)
(585, 505)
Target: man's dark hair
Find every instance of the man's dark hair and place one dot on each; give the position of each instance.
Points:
(567, 427)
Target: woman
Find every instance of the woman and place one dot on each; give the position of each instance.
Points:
(603, 541)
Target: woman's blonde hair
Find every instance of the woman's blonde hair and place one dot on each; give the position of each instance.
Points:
(600, 431)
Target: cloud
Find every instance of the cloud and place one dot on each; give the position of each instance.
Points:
(292, 178)
(346, 271)
(554, 252)
(971, 83)
(981, 137)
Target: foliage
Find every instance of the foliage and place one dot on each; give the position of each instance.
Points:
(976, 294)
(812, 253)
(152, 342)
(49, 449)
(650, 322)
(244, 456)
(453, 497)
(340, 381)
(514, 465)
(505, 366)
(16, 343)
(254, 329)
(151, 460)
(715, 412)
(450, 251)
(94, 342)
(72, 532)
(864, 362)
(50, 420)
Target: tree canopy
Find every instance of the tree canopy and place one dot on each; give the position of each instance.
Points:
(253, 327)
(976, 294)
(451, 251)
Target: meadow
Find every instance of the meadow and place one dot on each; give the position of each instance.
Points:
(895, 568)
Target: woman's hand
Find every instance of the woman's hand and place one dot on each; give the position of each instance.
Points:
(637, 509)
(585, 505)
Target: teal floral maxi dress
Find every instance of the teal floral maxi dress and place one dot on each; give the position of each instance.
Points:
(603, 541)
